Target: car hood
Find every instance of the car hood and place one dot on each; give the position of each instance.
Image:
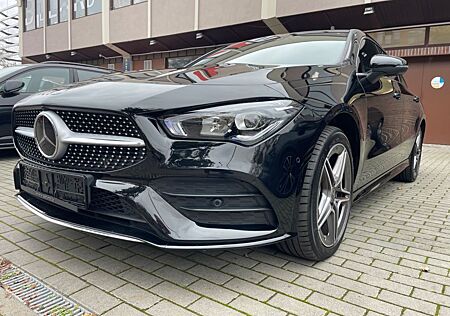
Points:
(157, 91)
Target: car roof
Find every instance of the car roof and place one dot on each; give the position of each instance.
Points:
(69, 65)
(335, 32)
(73, 65)
(23, 67)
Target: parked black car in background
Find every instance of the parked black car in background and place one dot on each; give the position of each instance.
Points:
(263, 141)
(19, 82)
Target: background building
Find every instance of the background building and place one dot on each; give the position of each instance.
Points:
(158, 34)
(9, 32)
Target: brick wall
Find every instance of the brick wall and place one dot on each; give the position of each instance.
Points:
(420, 51)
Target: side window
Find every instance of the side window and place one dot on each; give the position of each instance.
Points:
(86, 75)
(366, 52)
(43, 79)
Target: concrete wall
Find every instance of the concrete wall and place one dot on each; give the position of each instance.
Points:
(86, 31)
(33, 42)
(171, 17)
(156, 18)
(123, 28)
(57, 37)
(216, 13)
(291, 7)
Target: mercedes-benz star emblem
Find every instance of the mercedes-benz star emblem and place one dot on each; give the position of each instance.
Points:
(46, 135)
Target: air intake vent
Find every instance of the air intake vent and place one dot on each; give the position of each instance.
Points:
(219, 203)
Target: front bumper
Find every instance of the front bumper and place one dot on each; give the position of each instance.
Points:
(139, 213)
(98, 231)
(193, 194)
(6, 142)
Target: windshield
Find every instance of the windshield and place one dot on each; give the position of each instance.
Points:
(10, 70)
(293, 50)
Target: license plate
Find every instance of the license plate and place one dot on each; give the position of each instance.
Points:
(56, 186)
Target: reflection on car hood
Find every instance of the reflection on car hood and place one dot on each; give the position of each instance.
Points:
(169, 90)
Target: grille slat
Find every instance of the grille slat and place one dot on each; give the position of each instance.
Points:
(94, 158)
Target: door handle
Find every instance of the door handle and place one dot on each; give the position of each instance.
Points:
(397, 95)
(416, 99)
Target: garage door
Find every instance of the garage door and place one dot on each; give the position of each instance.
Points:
(436, 100)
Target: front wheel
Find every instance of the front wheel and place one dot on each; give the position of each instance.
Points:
(325, 199)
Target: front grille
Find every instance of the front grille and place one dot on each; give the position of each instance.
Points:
(85, 157)
(26, 118)
(93, 158)
(85, 122)
(217, 202)
(98, 123)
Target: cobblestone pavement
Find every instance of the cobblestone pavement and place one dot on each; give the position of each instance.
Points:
(395, 235)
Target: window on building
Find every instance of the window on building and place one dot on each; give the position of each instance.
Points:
(401, 38)
(63, 10)
(439, 35)
(116, 4)
(112, 66)
(148, 64)
(40, 14)
(53, 10)
(94, 6)
(34, 14)
(30, 15)
(86, 7)
(57, 11)
(179, 62)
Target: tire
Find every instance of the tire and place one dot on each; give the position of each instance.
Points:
(411, 172)
(312, 242)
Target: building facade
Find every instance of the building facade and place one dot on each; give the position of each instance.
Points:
(159, 34)
(9, 32)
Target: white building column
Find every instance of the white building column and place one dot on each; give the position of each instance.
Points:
(105, 21)
(269, 17)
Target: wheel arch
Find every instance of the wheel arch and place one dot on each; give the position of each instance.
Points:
(349, 126)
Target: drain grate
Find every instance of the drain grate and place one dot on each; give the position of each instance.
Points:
(37, 296)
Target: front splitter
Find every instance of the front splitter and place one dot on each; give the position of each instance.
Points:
(100, 232)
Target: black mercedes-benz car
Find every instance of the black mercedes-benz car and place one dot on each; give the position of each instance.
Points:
(263, 141)
(19, 82)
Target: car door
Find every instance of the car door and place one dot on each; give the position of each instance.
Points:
(384, 118)
(35, 80)
(6, 104)
(411, 117)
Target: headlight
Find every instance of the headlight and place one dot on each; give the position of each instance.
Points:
(243, 123)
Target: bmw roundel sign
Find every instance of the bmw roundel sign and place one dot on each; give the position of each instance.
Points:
(437, 82)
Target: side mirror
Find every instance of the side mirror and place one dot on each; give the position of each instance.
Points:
(12, 87)
(385, 65)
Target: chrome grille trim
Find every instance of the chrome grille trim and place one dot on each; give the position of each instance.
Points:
(70, 137)
(25, 131)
